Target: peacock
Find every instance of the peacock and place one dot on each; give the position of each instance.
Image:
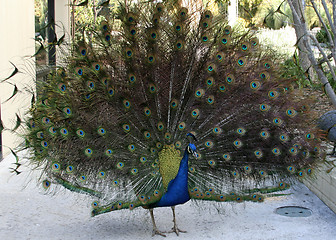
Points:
(162, 104)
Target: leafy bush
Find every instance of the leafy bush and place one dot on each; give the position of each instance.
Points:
(322, 36)
(292, 69)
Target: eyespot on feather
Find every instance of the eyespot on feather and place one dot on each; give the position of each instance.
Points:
(147, 112)
(107, 36)
(254, 42)
(227, 30)
(225, 41)
(151, 58)
(179, 45)
(96, 66)
(183, 13)
(264, 76)
(220, 56)
(245, 47)
(79, 71)
(230, 79)
(217, 130)
(205, 24)
(178, 27)
(210, 99)
(195, 113)
(207, 15)
(80, 133)
(205, 38)
(160, 126)
(104, 26)
(156, 19)
(199, 93)
(264, 134)
(129, 52)
(131, 18)
(210, 81)
(181, 126)
(46, 184)
(211, 67)
(88, 152)
(147, 135)
(174, 103)
(159, 8)
(133, 31)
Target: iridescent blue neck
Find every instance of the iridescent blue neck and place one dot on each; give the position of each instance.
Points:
(183, 169)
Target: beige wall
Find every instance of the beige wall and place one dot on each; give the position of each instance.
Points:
(324, 185)
(63, 23)
(16, 41)
(17, 33)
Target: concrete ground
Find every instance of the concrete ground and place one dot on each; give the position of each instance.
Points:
(27, 213)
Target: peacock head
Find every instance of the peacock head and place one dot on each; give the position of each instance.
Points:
(191, 148)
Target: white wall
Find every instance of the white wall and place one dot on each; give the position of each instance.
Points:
(17, 33)
(63, 23)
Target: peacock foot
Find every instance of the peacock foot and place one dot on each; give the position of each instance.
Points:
(157, 232)
(176, 230)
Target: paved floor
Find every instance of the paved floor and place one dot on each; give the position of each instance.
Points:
(27, 213)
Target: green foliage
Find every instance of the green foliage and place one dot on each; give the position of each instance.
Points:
(277, 14)
(92, 14)
(41, 17)
(291, 68)
(331, 79)
(322, 36)
(273, 14)
(41, 13)
(312, 19)
(248, 9)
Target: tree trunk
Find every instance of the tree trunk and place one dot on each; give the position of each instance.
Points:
(299, 26)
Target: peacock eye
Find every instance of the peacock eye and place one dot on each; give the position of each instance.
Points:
(189, 149)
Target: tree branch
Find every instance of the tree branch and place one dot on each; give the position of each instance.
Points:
(324, 55)
(322, 21)
(326, 10)
(328, 89)
(321, 61)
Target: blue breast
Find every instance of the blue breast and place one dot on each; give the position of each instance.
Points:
(177, 191)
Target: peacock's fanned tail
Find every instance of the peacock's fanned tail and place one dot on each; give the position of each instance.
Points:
(112, 121)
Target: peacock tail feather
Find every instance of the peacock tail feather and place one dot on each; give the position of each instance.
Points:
(112, 120)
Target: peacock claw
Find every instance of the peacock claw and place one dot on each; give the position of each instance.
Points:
(157, 232)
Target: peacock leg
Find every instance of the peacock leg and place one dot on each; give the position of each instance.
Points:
(155, 230)
(175, 229)
(333, 152)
